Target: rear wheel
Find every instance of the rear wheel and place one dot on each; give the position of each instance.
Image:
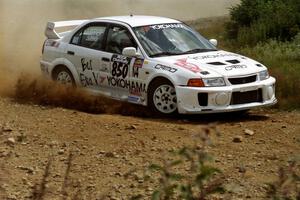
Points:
(64, 76)
(162, 97)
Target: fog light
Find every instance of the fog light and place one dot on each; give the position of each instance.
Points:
(270, 92)
(222, 99)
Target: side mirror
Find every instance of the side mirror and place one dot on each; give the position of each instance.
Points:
(130, 52)
(214, 42)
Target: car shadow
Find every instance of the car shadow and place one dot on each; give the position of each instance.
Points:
(237, 116)
(225, 117)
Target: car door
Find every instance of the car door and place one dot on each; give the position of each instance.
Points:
(86, 53)
(119, 80)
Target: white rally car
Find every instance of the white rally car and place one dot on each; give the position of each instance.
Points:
(154, 61)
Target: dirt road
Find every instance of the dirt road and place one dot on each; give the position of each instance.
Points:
(107, 146)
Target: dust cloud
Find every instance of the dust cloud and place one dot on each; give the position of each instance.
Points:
(32, 90)
(22, 25)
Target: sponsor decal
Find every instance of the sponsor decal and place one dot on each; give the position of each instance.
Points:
(134, 99)
(52, 43)
(95, 79)
(138, 63)
(120, 66)
(229, 68)
(102, 79)
(214, 56)
(165, 26)
(119, 72)
(166, 68)
(133, 86)
(187, 65)
(86, 64)
(92, 78)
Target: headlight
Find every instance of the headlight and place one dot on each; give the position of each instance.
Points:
(213, 82)
(263, 75)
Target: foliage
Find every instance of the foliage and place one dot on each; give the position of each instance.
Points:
(283, 61)
(287, 187)
(187, 175)
(254, 21)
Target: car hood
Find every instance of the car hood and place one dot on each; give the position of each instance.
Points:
(215, 63)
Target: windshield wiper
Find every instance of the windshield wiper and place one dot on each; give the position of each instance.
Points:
(164, 53)
(198, 51)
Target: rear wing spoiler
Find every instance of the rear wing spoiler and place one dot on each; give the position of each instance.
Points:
(50, 31)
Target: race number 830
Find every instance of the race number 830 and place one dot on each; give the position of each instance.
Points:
(119, 69)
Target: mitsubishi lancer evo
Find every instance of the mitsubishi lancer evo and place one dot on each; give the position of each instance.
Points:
(154, 61)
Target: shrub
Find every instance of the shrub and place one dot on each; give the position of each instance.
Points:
(254, 21)
(282, 59)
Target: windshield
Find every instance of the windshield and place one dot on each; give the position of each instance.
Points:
(171, 39)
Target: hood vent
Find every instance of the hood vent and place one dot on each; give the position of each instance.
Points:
(204, 72)
(216, 63)
(233, 61)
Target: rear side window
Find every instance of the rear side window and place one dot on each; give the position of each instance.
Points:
(90, 37)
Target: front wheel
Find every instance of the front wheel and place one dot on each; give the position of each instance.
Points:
(162, 97)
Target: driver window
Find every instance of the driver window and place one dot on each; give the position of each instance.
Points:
(119, 38)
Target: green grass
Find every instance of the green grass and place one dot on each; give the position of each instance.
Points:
(281, 58)
(283, 61)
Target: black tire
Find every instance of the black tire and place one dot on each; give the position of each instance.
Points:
(152, 88)
(62, 69)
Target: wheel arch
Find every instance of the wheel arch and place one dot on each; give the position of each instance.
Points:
(157, 78)
(56, 68)
(68, 65)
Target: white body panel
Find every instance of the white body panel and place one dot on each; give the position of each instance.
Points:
(92, 69)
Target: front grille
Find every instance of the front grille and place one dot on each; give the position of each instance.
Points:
(246, 97)
(242, 80)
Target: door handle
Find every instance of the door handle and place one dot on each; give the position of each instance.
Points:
(105, 59)
(71, 52)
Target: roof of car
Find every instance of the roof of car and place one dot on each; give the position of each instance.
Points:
(140, 20)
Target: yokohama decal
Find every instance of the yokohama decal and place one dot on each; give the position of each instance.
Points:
(189, 66)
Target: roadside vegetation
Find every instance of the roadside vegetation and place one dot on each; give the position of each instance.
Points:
(187, 173)
(268, 31)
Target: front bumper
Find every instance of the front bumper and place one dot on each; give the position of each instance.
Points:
(225, 99)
